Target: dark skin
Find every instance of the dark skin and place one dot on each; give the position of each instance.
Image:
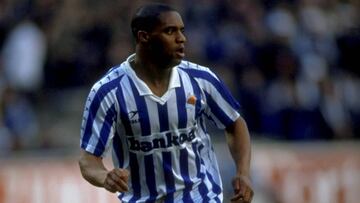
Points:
(157, 52)
(238, 140)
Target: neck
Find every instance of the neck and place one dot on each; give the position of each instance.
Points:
(157, 77)
(151, 72)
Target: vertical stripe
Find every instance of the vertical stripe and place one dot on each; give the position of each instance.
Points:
(167, 165)
(150, 178)
(123, 112)
(202, 187)
(119, 151)
(169, 178)
(145, 131)
(182, 118)
(163, 117)
(133, 162)
(105, 130)
(202, 125)
(184, 170)
(135, 177)
(181, 106)
(142, 111)
(216, 188)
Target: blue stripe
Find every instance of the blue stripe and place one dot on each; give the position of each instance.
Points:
(142, 110)
(182, 118)
(145, 130)
(163, 117)
(123, 112)
(118, 148)
(94, 107)
(120, 196)
(217, 200)
(216, 188)
(105, 130)
(150, 177)
(202, 125)
(167, 165)
(184, 170)
(181, 106)
(218, 84)
(169, 177)
(202, 187)
(135, 177)
(217, 111)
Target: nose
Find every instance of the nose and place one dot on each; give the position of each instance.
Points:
(181, 37)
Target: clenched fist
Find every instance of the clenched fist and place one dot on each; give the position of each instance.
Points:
(116, 180)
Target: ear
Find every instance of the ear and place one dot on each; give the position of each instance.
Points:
(143, 36)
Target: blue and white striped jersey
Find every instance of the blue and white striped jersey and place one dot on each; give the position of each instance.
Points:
(162, 141)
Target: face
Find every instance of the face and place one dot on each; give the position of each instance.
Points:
(167, 40)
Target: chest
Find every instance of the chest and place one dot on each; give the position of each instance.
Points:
(143, 115)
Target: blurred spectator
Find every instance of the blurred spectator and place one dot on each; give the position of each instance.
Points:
(293, 64)
(19, 119)
(24, 54)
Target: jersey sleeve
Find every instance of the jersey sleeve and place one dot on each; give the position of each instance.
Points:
(99, 118)
(221, 107)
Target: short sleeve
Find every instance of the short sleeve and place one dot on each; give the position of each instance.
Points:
(99, 118)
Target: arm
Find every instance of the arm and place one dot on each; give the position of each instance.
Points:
(238, 140)
(93, 170)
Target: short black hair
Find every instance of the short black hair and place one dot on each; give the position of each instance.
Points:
(146, 17)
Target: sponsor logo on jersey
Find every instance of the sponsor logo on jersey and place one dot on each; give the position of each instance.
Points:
(134, 117)
(164, 141)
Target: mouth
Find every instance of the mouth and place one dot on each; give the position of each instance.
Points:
(180, 52)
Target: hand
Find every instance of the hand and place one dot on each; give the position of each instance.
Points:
(242, 189)
(116, 180)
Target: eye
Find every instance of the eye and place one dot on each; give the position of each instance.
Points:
(169, 30)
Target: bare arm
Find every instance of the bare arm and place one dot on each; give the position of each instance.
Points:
(93, 170)
(238, 139)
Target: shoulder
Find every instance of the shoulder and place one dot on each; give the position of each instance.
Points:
(197, 71)
(110, 80)
(187, 65)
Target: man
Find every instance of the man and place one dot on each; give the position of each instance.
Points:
(151, 111)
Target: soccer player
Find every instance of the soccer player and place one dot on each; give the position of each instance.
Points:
(151, 111)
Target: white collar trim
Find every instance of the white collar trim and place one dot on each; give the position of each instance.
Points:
(143, 87)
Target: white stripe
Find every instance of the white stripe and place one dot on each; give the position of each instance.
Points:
(131, 105)
(153, 115)
(190, 109)
(172, 112)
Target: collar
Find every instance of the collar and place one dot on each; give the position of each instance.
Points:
(142, 86)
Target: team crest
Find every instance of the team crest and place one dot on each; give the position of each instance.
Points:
(191, 100)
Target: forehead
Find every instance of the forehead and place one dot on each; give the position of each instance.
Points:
(170, 18)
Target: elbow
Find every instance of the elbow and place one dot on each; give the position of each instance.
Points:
(239, 122)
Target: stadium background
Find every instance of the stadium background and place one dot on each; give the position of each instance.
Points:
(293, 65)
